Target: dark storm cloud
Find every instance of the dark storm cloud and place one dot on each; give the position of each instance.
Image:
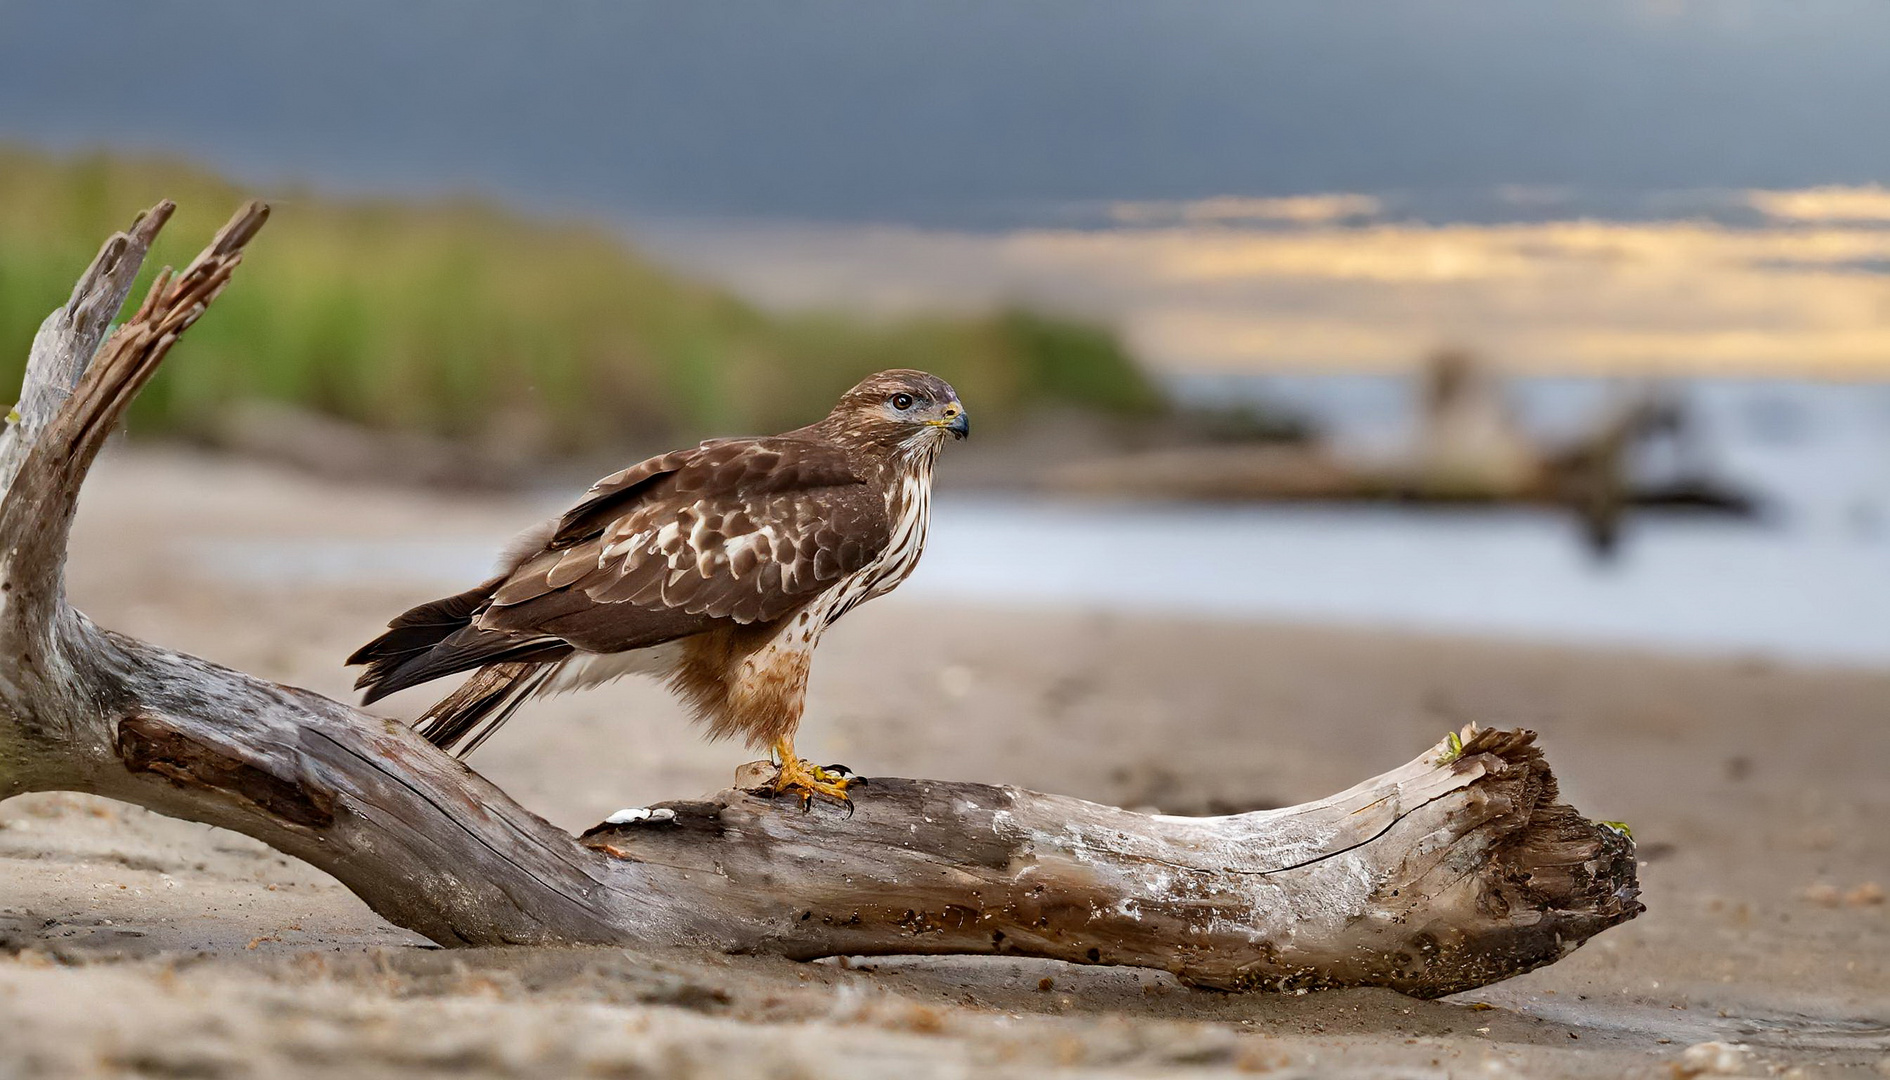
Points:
(962, 113)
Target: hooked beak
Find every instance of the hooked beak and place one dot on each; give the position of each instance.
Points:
(954, 420)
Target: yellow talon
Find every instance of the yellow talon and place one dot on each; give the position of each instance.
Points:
(803, 777)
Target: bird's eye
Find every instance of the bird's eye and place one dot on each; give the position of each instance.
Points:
(902, 402)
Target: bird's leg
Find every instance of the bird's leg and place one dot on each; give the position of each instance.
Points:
(807, 779)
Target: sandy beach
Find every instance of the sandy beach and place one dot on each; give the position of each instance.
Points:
(1759, 793)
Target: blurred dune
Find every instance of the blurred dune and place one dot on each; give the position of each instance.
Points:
(456, 319)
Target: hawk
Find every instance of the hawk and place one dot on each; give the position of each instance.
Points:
(716, 568)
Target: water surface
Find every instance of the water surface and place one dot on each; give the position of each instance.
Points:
(1809, 581)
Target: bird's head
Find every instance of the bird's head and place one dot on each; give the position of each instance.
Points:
(901, 408)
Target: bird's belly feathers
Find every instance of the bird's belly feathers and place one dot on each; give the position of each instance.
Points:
(896, 562)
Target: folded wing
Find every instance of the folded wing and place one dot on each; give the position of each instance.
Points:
(736, 530)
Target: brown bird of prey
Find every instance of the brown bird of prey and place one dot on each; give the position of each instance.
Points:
(716, 568)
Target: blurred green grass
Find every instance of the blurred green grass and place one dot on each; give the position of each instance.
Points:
(456, 318)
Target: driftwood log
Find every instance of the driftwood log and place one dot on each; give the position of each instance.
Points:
(1455, 870)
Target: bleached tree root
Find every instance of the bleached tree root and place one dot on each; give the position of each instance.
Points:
(1453, 871)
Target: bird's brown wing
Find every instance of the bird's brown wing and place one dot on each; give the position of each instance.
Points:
(739, 529)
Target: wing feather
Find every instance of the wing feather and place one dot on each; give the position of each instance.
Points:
(606, 498)
(741, 529)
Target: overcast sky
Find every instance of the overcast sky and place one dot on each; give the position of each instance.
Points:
(962, 113)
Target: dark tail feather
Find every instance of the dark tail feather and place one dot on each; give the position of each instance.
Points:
(464, 651)
(484, 703)
(438, 639)
(411, 636)
(411, 652)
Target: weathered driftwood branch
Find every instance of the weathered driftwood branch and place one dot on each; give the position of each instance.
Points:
(1452, 871)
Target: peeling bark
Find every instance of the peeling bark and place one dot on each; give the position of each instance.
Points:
(1452, 871)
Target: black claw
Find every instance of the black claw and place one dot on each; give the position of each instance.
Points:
(807, 802)
(847, 774)
(849, 803)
